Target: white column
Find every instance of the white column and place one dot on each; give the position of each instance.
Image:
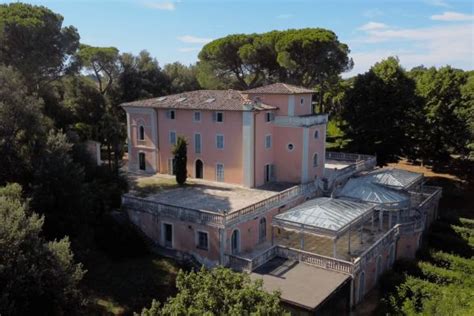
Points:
(248, 147)
(334, 247)
(349, 241)
(304, 156)
(129, 140)
(291, 105)
(360, 234)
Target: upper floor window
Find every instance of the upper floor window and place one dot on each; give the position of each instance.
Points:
(315, 160)
(141, 133)
(268, 141)
(219, 172)
(171, 114)
(269, 116)
(197, 143)
(302, 101)
(218, 116)
(220, 141)
(197, 116)
(202, 240)
(173, 137)
(316, 134)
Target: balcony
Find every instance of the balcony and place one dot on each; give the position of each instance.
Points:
(301, 121)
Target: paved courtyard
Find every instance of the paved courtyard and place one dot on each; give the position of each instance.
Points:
(206, 195)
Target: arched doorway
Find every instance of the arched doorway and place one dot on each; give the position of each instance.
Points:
(199, 169)
(235, 241)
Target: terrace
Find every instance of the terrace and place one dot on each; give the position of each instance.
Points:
(202, 201)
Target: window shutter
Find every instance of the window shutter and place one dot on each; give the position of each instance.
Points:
(272, 172)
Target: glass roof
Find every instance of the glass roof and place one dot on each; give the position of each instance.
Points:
(365, 189)
(326, 213)
(392, 177)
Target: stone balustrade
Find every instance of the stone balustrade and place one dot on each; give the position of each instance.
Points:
(301, 121)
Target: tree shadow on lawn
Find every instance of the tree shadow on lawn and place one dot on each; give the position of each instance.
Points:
(123, 286)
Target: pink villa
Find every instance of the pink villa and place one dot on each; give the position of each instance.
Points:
(265, 197)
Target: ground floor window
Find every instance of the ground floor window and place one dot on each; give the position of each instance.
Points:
(202, 240)
(141, 161)
(171, 166)
(262, 230)
(219, 172)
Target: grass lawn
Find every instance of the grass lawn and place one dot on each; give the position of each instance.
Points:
(124, 286)
(143, 185)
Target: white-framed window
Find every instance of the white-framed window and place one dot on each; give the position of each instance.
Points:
(219, 172)
(218, 117)
(171, 166)
(141, 132)
(173, 137)
(171, 114)
(197, 143)
(269, 116)
(268, 141)
(316, 134)
(197, 116)
(315, 160)
(202, 240)
(220, 141)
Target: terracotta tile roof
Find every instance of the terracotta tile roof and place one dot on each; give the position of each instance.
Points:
(280, 88)
(225, 100)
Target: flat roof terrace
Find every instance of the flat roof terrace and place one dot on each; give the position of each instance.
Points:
(201, 194)
(300, 284)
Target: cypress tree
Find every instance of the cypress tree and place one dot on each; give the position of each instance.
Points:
(180, 159)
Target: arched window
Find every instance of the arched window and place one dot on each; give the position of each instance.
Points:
(391, 256)
(361, 286)
(262, 231)
(141, 133)
(315, 160)
(378, 267)
(235, 242)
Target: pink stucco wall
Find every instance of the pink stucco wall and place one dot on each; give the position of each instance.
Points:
(146, 146)
(183, 125)
(305, 107)
(288, 163)
(316, 146)
(281, 101)
(263, 155)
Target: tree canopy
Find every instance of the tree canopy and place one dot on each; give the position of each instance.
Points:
(37, 277)
(219, 291)
(309, 57)
(33, 40)
(380, 112)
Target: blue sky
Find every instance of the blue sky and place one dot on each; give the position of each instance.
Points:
(429, 32)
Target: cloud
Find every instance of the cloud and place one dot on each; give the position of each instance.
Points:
(285, 16)
(372, 26)
(188, 49)
(161, 5)
(437, 3)
(194, 39)
(452, 16)
(429, 46)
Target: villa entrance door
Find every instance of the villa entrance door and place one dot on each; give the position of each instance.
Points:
(199, 169)
(235, 242)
